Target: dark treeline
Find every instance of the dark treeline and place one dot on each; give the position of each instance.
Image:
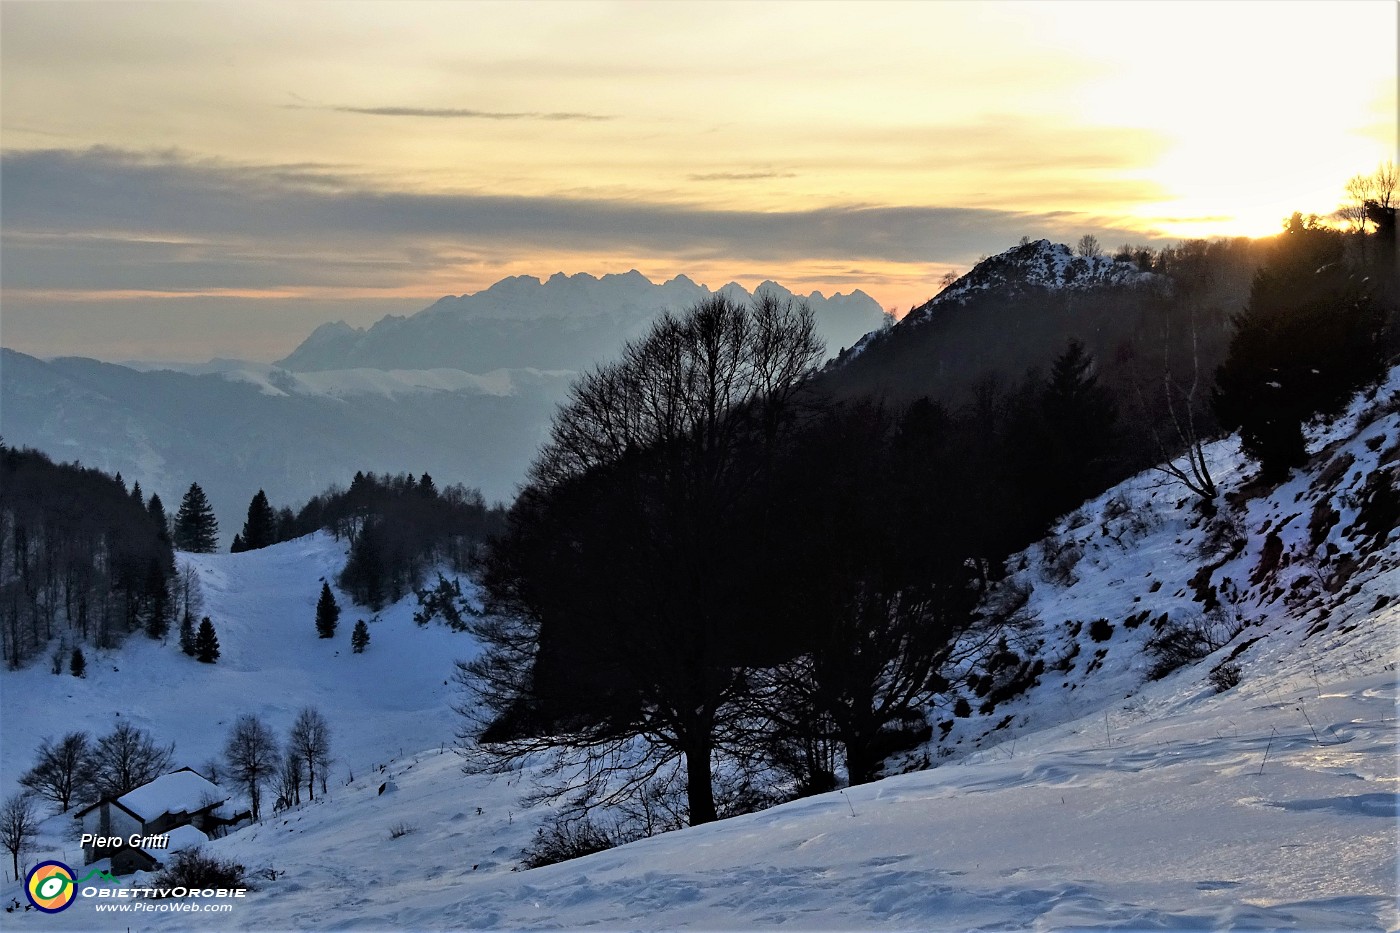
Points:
(399, 526)
(82, 560)
(722, 566)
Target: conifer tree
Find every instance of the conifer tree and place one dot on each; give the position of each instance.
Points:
(206, 642)
(187, 635)
(196, 528)
(260, 528)
(1310, 337)
(327, 612)
(156, 508)
(158, 614)
(359, 639)
(77, 664)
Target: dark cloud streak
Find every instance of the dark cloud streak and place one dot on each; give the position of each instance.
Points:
(460, 113)
(304, 211)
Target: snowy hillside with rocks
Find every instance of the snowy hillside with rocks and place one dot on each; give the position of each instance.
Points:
(1255, 787)
(1039, 264)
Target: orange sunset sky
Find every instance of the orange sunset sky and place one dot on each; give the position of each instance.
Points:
(183, 180)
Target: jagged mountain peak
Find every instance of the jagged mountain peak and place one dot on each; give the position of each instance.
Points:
(562, 322)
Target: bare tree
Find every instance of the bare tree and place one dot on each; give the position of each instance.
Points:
(19, 826)
(252, 756)
(1374, 190)
(652, 456)
(1185, 406)
(288, 781)
(310, 742)
(126, 758)
(63, 772)
(1088, 246)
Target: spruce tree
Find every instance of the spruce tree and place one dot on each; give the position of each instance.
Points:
(260, 529)
(158, 613)
(327, 612)
(359, 639)
(206, 643)
(187, 634)
(156, 508)
(1078, 416)
(77, 664)
(1310, 337)
(196, 529)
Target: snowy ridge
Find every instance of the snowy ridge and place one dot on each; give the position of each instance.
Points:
(1107, 801)
(1040, 264)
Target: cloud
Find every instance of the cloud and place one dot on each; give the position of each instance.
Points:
(456, 113)
(137, 219)
(740, 176)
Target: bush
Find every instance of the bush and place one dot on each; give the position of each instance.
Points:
(1059, 557)
(1100, 630)
(567, 839)
(399, 830)
(191, 868)
(1181, 642)
(1225, 676)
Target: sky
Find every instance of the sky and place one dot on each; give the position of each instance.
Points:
(184, 180)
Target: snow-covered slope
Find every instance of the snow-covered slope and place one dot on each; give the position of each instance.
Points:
(1105, 801)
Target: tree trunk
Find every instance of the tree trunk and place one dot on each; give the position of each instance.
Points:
(700, 792)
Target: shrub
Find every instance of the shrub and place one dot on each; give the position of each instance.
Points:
(1182, 641)
(399, 830)
(567, 839)
(1225, 676)
(1100, 630)
(192, 868)
(1059, 557)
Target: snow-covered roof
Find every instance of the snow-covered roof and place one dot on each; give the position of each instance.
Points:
(180, 791)
(184, 837)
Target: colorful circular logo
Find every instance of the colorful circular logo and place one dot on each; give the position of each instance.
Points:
(50, 886)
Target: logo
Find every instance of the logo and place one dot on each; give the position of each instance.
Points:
(50, 886)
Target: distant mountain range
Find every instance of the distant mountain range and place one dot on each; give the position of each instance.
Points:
(463, 390)
(254, 426)
(563, 322)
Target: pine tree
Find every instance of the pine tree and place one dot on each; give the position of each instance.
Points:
(136, 494)
(260, 529)
(237, 547)
(158, 615)
(77, 664)
(1078, 417)
(206, 643)
(196, 528)
(156, 508)
(359, 639)
(187, 634)
(1310, 337)
(426, 487)
(327, 612)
